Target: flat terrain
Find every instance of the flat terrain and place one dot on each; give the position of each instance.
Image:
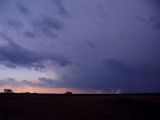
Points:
(79, 107)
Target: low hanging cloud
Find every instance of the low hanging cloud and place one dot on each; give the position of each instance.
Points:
(10, 82)
(117, 74)
(28, 34)
(48, 26)
(60, 6)
(13, 55)
(13, 23)
(140, 77)
(155, 21)
(23, 9)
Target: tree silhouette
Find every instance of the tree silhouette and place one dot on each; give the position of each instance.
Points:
(8, 91)
(68, 93)
(27, 93)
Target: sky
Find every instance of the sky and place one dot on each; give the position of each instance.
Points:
(83, 46)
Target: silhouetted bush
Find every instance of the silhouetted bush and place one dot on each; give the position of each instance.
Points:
(8, 91)
(68, 93)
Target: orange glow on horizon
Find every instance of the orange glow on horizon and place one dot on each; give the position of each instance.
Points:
(56, 90)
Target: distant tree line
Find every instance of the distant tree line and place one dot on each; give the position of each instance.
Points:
(11, 91)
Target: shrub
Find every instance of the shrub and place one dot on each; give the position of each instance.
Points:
(8, 91)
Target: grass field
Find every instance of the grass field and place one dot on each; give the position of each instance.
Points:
(79, 107)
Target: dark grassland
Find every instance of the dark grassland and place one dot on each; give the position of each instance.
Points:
(79, 107)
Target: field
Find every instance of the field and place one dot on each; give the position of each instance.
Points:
(79, 107)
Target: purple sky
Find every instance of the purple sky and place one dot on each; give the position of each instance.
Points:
(86, 45)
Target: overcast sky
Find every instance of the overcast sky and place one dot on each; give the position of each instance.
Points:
(83, 46)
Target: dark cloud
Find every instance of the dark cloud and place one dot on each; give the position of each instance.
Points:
(28, 83)
(24, 10)
(16, 83)
(117, 66)
(44, 82)
(60, 6)
(155, 21)
(10, 82)
(51, 83)
(141, 19)
(2, 2)
(48, 26)
(81, 80)
(157, 2)
(134, 51)
(14, 55)
(60, 60)
(90, 44)
(28, 34)
(13, 23)
(5, 37)
(140, 78)
(102, 13)
(157, 26)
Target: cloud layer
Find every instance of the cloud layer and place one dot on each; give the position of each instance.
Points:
(101, 45)
(13, 55)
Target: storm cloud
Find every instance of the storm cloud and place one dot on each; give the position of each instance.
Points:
(48, 26)
(14, 55)
(13, 23)
(60, 5)
(93, 44)
(138, 77)
(24, 10)
(28, 34)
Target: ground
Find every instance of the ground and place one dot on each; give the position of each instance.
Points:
(79, 107)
